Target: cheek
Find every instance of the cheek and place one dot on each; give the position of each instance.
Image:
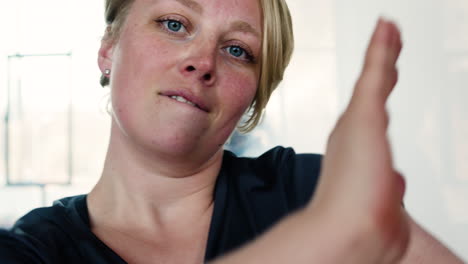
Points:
(240, 92)
(143, 59)
(236, 97)
(122, 101)
(137, 70)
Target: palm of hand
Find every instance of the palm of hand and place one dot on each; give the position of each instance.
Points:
(359, 184)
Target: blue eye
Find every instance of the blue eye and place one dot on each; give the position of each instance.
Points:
(240, 53)
(236, 51)
(173, 25)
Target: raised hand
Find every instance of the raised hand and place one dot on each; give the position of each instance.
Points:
(360, 193)
(355, 216)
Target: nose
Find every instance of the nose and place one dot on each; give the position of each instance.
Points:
(200, 64)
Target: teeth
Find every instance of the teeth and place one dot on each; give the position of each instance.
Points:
(182, 100)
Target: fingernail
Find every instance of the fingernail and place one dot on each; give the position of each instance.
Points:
(380, 22)
(384, 34)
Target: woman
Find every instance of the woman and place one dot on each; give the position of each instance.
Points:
(181, 75)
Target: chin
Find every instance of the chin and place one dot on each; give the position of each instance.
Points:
(183, 144)
(174, 139)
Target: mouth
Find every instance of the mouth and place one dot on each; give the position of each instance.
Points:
(183, 100)
(187, 100)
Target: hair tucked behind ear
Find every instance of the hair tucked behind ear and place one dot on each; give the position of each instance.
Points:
(115, 13)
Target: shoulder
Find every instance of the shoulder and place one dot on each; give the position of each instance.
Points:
(42, 234)
(287, 160)
(252, 194)
(279, 171)
(278, 157)
(60, 217)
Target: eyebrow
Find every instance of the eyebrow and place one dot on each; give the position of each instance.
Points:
(244, 27)
(192, 5)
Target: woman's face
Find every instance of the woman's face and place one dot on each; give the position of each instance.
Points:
(184, 72)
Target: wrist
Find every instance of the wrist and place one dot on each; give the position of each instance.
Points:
(350, 237)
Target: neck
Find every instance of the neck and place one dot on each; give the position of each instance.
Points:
(140, 191)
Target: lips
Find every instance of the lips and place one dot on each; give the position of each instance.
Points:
(185, 97)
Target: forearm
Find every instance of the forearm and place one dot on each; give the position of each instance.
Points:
(304, 237)
(424, 248)
(296, 239)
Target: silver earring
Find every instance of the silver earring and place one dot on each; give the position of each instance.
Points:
(106, 71)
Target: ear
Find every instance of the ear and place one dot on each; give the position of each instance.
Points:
(105, 52)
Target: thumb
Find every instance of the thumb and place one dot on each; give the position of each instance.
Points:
(379, 74)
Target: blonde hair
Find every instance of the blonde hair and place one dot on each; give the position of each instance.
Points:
(277, 48)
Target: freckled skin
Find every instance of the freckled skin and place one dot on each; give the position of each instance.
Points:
(147, 60)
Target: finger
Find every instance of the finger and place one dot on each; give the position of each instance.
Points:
(379, 74)
(400, 186)
(384, 47)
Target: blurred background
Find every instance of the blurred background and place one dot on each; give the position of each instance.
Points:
(54, 127)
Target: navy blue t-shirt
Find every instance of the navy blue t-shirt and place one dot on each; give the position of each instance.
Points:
(251, 194)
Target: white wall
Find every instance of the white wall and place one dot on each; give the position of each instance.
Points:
(429, 115)
(56, 26)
